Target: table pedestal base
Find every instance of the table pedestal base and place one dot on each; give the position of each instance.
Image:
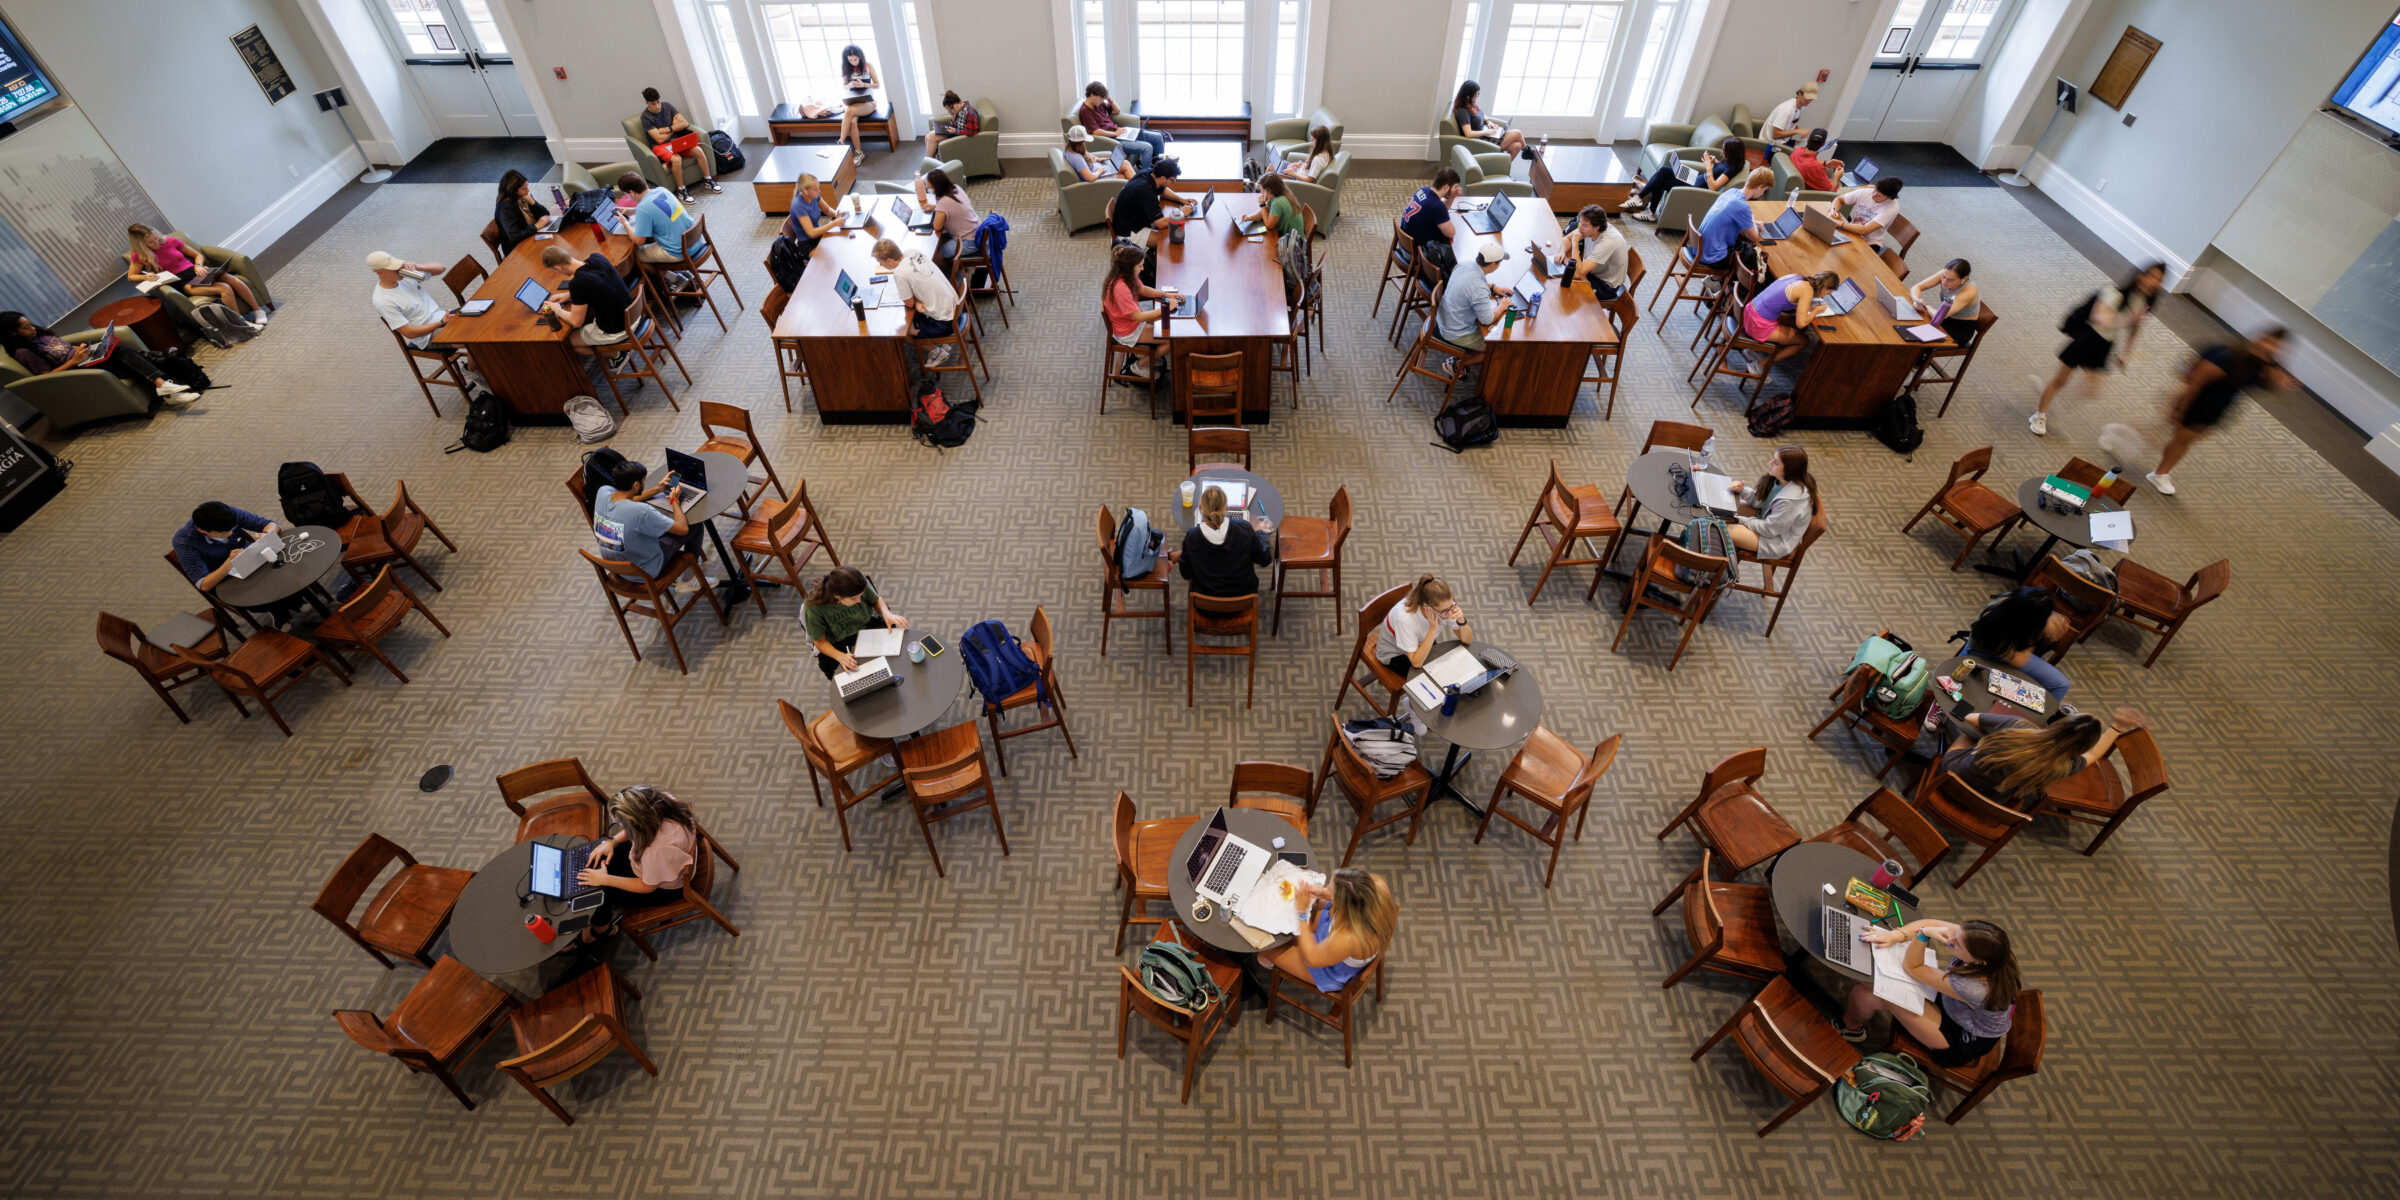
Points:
(1445, 781)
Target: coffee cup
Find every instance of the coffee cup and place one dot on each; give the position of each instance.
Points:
(1188, 490)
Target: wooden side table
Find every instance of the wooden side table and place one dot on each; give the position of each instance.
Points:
(146, 316)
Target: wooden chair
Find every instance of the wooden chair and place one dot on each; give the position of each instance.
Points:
(1116, 593)
(1362, 653)
(440, 1024)
(1904, 234)
(729, 431)
(1308, 323)
(1792, 1046)
(647, 344)
(1742, 830)
(1342, 1011)
(2018, 1056)
(1343, 767)
(1731, 927)
(448, 359)
(1278, 788)
(1901, 824)
(1398, 262)
(1548, 772)
(2083, 603)
(1221, 617)
(1656, 585)
(1212, 389)
(491, 240)
(2151, 602)
(372, 613)
(1310, 544)
(788, 363)
(391, 536)
(995, 282)
(122, 640)
(696, 902)
(1456, 358)
(1927, 369)
(1608, 358)
(1965, 505)
(1722, 320)
(557, 797)
(965, 348)
(1988, 823)
(228, 619)
(947, 776)
(583, 510)
(1117, 359)
(1047, 701)
(408, 912)
(1225, 444)
(2098, 795)
(789, 533)
(1854, 706)
(1145, 851)
(1788, 564)
(630, 589)
(833, 751)
(1719, 362)
(1678, 435)
(1566, 515)
(706, 270)
(569, 1030)
(462, 276)
(1420, 294)
(1741, 766)
(270, 664)
(1695, 277)
(1195, 1028)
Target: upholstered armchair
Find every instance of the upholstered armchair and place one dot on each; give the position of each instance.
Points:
(1286, 137)
(980, 152)
(1325, 194)
(84, 395)
(645, 159)
(956, 170)
(1448, 134)
(1082, 203)
(1485, 174)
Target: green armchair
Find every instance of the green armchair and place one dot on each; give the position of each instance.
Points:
(1486, 174)
(577, 181)
(1787, 174)
(238, 265)
(645, 159)
(1287, 136)
(1682, 204)
(1324, 195)
(979, 152)
(1661, 140)
(956, 170)
(79, 397)
(1080, 202)
(1448, 133)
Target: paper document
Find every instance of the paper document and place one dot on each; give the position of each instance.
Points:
(876, 643)
(1455, 668)
(1892, 981)
(1269, 908)
(2112, 527)
(1925, 333)
(1422, 690)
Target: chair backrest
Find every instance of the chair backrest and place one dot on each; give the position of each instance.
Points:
(121, 639)
(583, 510)
(1215, 442)
(715, 413)
(491, 238)
(365, 600)
(349, 882)
(462, 276)
(1338, 512)
(1970, 465)
(1108, 545)
(1712, 922)
(1904, 232)
(1680, 435)
(1173, 1018)
(1308, 222)
(2145, 768)
(1741, 766)
(1357, 776)
(1042, 636)
(2093, 600)
(1224, 608)
(2028, 1033)
(787, 523)
(1370, 618)
(1901, 820)
(1121, 818)
(1667, 555)
(558, 774)
(1282, 779)
(772, 307)
(942, 782)
(1214, 375)
(622, 578)
(795, 722)
(1949, 789)
(368, 1030)
(2207, 584)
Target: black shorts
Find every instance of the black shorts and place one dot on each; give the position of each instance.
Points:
(2206, 409)
(2086, 352)
(1963, 1047)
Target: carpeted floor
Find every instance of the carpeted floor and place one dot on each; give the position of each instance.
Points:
(476, 160)
(2218, 977)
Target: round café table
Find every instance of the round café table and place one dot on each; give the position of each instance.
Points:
(1647, 479)
(147, 317)
(1499, 715)
(1258, 828)
(904, 709)
(1797, 885)
(1976, 695)
(2073, 528)
(1267, 503)
(727, 479)
(487, 926)
(312, 554)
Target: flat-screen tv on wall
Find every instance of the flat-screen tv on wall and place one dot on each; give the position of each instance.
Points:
(24, 86)
(2371, 91)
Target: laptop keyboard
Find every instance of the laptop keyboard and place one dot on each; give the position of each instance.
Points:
(1228, 865)
(1841, 943)
(572, 884)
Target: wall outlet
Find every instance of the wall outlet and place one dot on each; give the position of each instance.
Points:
(2128, 120)
(2101, 186)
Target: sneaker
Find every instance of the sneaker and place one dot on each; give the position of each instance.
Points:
(184, 399)
(939, 356)
(1632, 204)
(859, 159)
(2039, 423)
(1856, 1037)
(2165, 486)
(684, 195)
(259, 316)
(168, 387)
(1711, 288)
(620, 363)
(1646, 217)
(712, 187)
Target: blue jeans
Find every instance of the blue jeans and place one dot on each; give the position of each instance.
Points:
(2038, 669)
(1141, 147)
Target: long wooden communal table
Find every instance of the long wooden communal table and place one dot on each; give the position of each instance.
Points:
(1860, 360)
(1533, 371)
(858, 371)
(529, 365)
(1246, 311)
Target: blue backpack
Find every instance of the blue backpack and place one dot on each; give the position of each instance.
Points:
(1137, 547)
(997, 665)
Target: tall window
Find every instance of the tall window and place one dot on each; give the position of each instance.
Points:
(916, 56)
(1553, 59)
(1466, 46)
(1961, 33)
(1094, 17)
(1190, 54)
(487, 33)
(730, 60)
(807, 42)
(1647, 101)
(1287, 56)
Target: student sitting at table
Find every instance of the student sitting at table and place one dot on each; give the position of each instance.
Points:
(630, 529)
(1470, 303)
(1872, 211)
(1600, 254)
(811, 220)
(1279, 212)
(592, 301)
(965, 120)
(206, 545)
(1078, 156)
(1776, 510)
(2014, 629)
(1314, 161)
(1141, 212)
(516, 212)
(647, 861)
(659, 221)
(1121, 295)
(401, 300)
(1976, 989)
(1221, 554)
(1099, 115)
(1343, 929)
(1731, 227)
(1816, 173)
(1427, 614)
(932, 303)
(954, 216)
(41, 351)
(1955, 302)
(1469, 116)
(1720, 169)
(1426, 220)
(2010, 759)
(1783, 309)
(843, 606)
(153, 253)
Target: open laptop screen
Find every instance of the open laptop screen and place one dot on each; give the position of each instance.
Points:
(1212, 838)
(532, 294)
(549, 870)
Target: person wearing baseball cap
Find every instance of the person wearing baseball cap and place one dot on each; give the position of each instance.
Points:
(401, 301)
(1078, 156)
(1470, 303)
(1784, 126)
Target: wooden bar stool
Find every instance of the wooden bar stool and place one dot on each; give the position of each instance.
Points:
(1695, 277)
(1047, 701)
(790, 533)
(1194, 1026)
(1144, 850)
(1398, 260)
(446, 372)
(1344, 768)
(1456, 359)
(742, 443)
(642, 324)
(1220, 617)
(1724, 313)
(833, 751)
(1117, 359)
(1789, 564)
(1420, 291)
(1548, 772)
(947, 777)
(1657, 584)
(1362, 653)
(1964, 353)
(964, 350)
(705, 268)
(788, 363)
(1311, 544)
(1566, 515)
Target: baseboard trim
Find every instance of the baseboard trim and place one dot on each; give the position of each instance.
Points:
(2360, 401)
(288, 210)
(2007, 157)
(589, 150)
(1412, 146)
(2102, 218)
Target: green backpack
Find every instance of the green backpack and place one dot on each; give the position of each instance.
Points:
(1884, 1096)
(1176, 975)
(1901, 676)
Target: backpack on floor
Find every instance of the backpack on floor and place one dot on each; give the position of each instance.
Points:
(939, 423)
(487, 424)
(729, 155)
(1896, 426)
(1901, 675)
(599, 469)
(786, 259)
(1388, 744)
(309, 497)
(1174, 974)
(590, 419)
(1466, 422)
(222, 326)
(178, 367)
(1884, 1096)
(1137, 547)
(997, 664)
(1770, 414)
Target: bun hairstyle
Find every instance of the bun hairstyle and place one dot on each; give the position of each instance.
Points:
(839, 584)
(1212, 507)
(1959, 267)
(950, 98)
(1429, 591)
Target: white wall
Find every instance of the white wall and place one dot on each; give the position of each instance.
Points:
(2016, 80)
(1766, 48)
(612, 49)
(258, 168)
(1006, 51)
(1383, 73)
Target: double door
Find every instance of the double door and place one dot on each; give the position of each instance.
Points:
(1928, 58)
(458, 57)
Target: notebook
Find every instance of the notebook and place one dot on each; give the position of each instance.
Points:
(877, 643)
(1892, 980)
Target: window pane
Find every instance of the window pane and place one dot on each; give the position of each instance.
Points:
(412, 16)
(1095, 43)
(487, 34)
(1904, 22)
(1550, 65)
(806, 41)
(1466, 46)
(737, 69)
(1189, 53)
(916, 57)
(1962, 30)
(1287, 56)
(1644, 102)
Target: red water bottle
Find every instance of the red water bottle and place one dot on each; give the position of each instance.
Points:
(541, 927)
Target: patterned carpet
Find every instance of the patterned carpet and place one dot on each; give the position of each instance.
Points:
(2218, 978)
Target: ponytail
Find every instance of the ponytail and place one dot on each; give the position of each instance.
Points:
(1429, 590)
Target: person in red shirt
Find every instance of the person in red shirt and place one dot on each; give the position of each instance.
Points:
(1818, 175)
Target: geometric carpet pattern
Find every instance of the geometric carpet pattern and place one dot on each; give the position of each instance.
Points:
(2218, 977)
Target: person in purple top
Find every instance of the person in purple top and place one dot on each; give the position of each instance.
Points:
(1976, 988)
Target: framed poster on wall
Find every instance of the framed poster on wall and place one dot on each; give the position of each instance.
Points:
(2124, 68)
(264, 66)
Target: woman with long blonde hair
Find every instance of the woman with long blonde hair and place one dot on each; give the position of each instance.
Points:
(646, 862)
(1976, 983)
(1344, 928)
(2014, 759)
(149, 252)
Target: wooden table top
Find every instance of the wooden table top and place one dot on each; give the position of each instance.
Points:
(1584, 164)
(816, 312)
(1803, 254)
(1568, 314)
(1245, 283)
(509, 321)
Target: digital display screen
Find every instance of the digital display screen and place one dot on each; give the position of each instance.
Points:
(22, 84)
(2372, 89)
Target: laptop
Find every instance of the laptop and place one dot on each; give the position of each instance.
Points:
(1208, 201)
(1844, 298)
(1783, 226)
(1688, 174)
(1526, 293)
(1194, 304)
(1899, 307)
(1252, 225)
(874, 295)
(557, 872)
(1714, 492)
(1819, 224)
(263, 549)
(1859, 176)
(1544, 266)
(916, 220)
(1493, 217)
(105, 346)
(685, 468)
(1223, 867)
(533, 294)
(872, 674)
(1842, 944)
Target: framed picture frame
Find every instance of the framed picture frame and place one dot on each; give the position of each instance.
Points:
(2124, 68)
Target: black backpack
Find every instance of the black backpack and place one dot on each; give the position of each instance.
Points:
(729, 155)
(177, 366)
(1466, 422)
(487, 424)
(309, 498)
(2078, 321)
(955, 425)
(1770, 414)
(1897, 426)
(785, 260)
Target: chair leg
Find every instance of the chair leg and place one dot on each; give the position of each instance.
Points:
(991, 714)
(444, 1075)
(926, 827)
(1677, 893)
(1790, 1111)
(1988, 852)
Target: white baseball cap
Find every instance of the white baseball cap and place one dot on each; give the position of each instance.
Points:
(383, 261)
(1077, 133)
(1491, 252)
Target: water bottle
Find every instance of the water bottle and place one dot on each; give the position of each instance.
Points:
(1450, 700)
(1708, 450)
(1545, 150)
(2108, 479)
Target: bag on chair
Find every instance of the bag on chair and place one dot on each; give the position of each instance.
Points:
(222, 326)
(1388, 744)
(1174, 974)
(309, 497)
(1136, 547)
(997, 664)
(590, 419)
(1900, 675)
